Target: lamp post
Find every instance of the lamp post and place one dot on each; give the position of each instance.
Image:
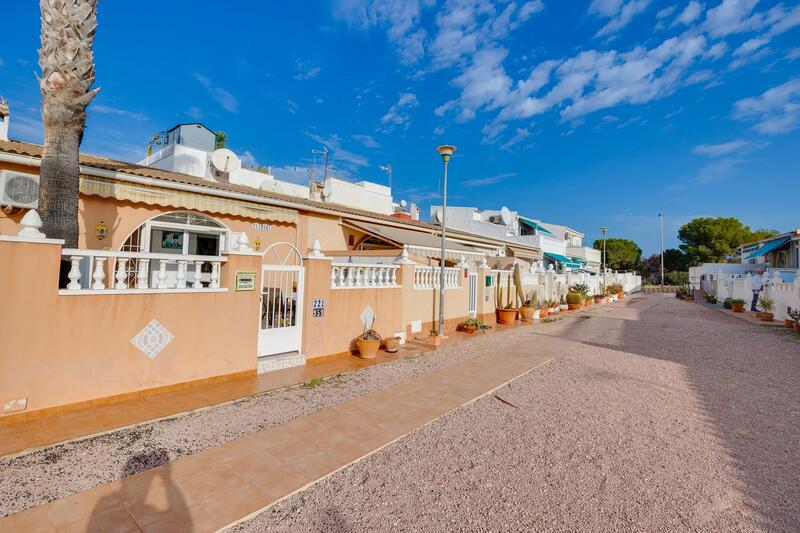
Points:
(604, 230)
(661, 220)
(446, 151)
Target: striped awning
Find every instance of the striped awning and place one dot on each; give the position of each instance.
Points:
(146, 194)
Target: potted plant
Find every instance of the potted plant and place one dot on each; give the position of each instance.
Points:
(391, 344)
(543, 309)
(574, 300)
(527, 311)
(555, 308)
(727, 303)
(368, 344)
(795, 316)
(790, 320)
(766, 305)
(737, 304)
(473, 325)
(506, 311)
(710, 298)
(562, 306)
(598, 298)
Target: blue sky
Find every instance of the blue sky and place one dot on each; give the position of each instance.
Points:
(587, 114)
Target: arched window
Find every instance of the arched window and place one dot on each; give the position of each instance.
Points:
(180, 233)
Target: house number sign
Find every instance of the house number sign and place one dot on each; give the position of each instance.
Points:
(245, 281)
(318, 307)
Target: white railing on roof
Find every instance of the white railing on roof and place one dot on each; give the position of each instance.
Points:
(354, 276)
(103, 271)
(427, 277)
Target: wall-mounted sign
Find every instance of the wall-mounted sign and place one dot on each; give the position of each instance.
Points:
(318, 307)
(245, 281)
(258, 226)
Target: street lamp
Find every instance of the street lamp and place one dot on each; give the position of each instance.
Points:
(446, 151)
(604, 230)
(661, 220)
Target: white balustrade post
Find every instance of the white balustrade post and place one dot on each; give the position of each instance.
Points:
(215, 275)
(121, 284)
(162, 274)
(198, 274)
(180, 278)
(74, 273)
(142, 273)
(99, 274)
(334, 270)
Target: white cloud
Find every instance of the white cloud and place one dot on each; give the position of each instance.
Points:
(690, 14)
(666, 12)
(738, 146)
(338, 153)
(194, 112)
(398, 113)
(793, 54)
(620, 14)
(306, 70)
(400, 19)
(730, 16)
(108, 110)
(716, 170)
(519, 135)
(750, 46)
(717, 50)
(490, 180)
(248, 159)
(291, 106)
(776, 110)
(367, 140)
(223, 97)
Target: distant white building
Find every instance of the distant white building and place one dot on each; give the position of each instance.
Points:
(190, 148)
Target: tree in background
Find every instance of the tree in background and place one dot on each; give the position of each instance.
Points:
(67, 63)
(623, 254)
(714, 240)
(675, 260)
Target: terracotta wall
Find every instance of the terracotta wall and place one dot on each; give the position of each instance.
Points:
(59, 349)
(328, 230)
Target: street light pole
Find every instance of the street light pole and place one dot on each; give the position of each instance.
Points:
(661, 220)
(446, 151)
(604, 230)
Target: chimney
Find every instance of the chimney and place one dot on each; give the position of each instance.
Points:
(4, 118)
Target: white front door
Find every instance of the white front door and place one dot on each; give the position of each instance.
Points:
(281, 309)
(473, 294)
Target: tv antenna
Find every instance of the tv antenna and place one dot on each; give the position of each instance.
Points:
(324, 153)
(388, 170)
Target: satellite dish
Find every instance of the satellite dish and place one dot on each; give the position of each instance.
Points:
(225, 161)
(505, 216)
(403, 204)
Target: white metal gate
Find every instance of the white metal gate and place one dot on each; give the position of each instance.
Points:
(281, 301)
(473, 294)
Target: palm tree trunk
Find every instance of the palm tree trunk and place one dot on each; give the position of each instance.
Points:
(67, 63)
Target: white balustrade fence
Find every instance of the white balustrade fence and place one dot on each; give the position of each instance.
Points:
(427, 277)
(785, 295)
(354, 276)
(99, 271)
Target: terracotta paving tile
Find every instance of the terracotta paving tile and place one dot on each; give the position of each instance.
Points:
(30, 521)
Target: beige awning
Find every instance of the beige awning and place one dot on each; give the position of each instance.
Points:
(108, 188)
(419, 243)
(524, 253)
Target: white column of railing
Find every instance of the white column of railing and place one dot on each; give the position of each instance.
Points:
(427, 277)
(137, 278)
(350, 276)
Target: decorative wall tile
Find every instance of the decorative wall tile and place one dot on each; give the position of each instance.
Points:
(152, 339)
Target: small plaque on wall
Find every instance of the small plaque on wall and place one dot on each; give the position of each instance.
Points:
(245, 281)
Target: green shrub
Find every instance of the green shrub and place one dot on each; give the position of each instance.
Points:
(737, 301)
(676, 278)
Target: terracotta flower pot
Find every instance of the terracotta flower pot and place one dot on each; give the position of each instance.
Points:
(573, 307)
(620, 295)
(506, 316)
(788, 322)
(760, 315)
(391, 344)
(767, 317)
(368, 349)
(738, 308)
(597, 299)
(543, 312)
(526, 313)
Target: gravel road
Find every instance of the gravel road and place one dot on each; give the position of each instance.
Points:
(58, 471)
(676, 418)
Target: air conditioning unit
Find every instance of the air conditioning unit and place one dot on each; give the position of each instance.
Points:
(18, 189)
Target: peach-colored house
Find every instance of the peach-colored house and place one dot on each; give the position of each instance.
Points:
(179, 279)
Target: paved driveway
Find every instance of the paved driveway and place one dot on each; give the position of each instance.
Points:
(660, 416)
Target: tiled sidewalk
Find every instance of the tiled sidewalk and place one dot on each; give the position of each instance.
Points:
(59, 427)
(222, 485)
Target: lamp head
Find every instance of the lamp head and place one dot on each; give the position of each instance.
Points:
(446, 151)
(604, 229)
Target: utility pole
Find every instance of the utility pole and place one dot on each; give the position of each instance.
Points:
(604, 230)
(661, 220)
(388, 170)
